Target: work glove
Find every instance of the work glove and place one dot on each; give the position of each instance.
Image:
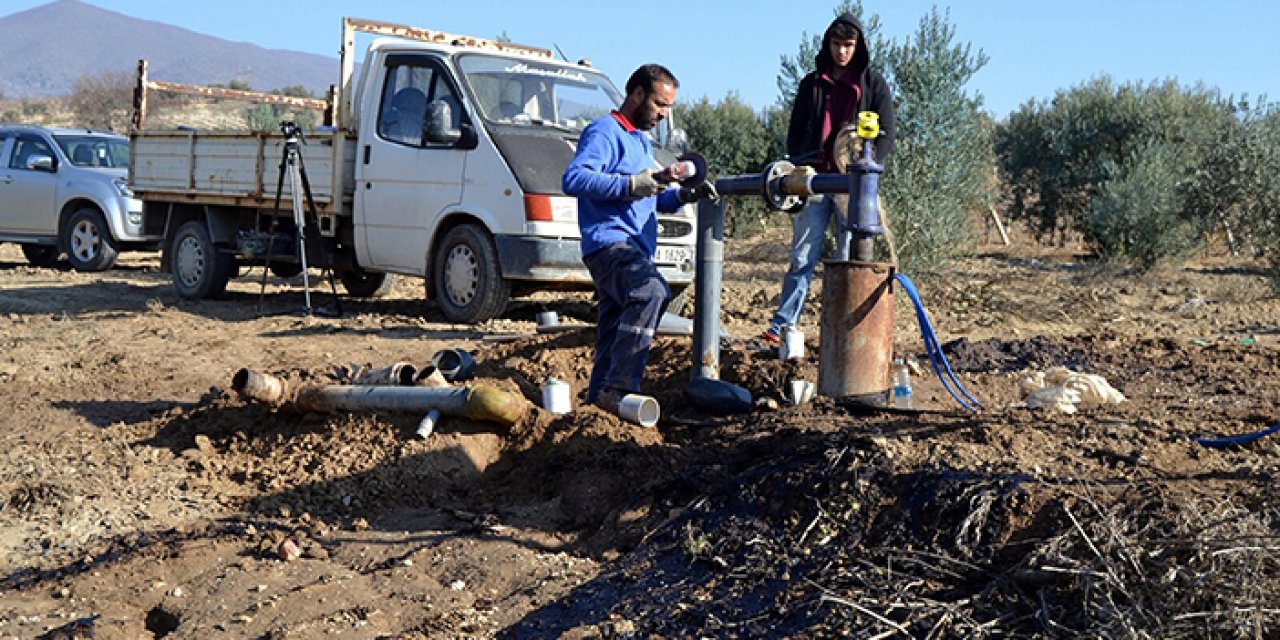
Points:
(689, 195)
(643, 184)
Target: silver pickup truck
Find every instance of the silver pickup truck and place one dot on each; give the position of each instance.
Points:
(65, 191)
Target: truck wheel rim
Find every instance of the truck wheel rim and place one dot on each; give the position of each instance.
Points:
(461, 275)
(190, 261)
(85, 240)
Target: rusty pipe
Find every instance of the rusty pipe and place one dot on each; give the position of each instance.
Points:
(477, 402)
(857, 330)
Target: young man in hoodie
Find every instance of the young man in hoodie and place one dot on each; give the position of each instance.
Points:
(827, 100)
(620, 188)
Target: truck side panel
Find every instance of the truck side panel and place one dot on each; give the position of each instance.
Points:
(237, 169)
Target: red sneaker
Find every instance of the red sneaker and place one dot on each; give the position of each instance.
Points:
(772, 335)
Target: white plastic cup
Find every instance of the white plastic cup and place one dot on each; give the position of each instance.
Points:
(801, 391)
(642, 410)
(548, 319)
(556, 397)
(792, 347)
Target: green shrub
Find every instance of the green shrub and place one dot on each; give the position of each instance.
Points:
(1138, 215)
(1059, 161)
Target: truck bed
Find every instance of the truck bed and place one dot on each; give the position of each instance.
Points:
(239, 169)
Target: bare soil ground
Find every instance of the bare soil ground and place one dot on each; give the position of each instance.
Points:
(141, 498)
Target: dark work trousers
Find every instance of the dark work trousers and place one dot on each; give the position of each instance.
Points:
(633, 297)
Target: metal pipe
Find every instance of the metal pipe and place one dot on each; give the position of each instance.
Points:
(708, 272)
(706, 390)
(400, 373)
(861, 223)
(260, 386)
(857, 343)
(478, 402)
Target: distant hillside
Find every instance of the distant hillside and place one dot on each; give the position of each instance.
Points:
(43, 51)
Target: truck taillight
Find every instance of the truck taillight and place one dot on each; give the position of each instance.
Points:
(544, 208)
(538, 208)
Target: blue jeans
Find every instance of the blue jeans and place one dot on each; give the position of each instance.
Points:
(807, 231)
(633, 297)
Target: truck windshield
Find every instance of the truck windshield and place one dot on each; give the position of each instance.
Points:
(95, 151)
(532, 93)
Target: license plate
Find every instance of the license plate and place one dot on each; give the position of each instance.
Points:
(673, 255)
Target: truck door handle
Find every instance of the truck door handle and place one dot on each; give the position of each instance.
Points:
(366, 154)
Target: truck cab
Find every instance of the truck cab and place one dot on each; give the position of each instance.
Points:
(461, 153)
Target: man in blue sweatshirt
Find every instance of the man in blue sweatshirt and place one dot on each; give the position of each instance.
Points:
(620, 188)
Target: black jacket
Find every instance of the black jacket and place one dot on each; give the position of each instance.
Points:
(803, 143)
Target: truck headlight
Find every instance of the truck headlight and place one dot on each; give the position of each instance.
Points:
(122, 187)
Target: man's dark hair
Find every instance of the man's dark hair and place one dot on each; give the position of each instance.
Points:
(841, 30)
(649, 75)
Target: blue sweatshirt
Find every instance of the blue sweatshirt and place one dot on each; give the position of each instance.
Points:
(609, 151)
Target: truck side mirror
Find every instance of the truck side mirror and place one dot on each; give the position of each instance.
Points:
(40, 163)
(439, 127)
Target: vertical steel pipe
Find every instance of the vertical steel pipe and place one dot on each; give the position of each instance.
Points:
(706, 390)
(707, 281)
(856, 344)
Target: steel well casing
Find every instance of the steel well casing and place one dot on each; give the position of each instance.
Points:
(856, 344)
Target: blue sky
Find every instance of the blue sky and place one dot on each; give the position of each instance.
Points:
(1035, 47)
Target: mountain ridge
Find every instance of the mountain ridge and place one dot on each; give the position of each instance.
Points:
(92, 41)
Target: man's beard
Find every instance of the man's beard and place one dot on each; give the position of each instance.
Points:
(646, 117)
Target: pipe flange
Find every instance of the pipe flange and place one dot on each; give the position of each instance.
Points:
(771, 188)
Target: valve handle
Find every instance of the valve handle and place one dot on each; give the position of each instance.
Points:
(868, 125)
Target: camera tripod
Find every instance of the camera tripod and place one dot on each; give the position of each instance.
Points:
(292, 166)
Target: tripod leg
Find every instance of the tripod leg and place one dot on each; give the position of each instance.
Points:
(299, 220)
(328, 259)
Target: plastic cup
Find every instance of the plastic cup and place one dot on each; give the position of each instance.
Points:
(801, 391)
(556, 397)
(642, 410)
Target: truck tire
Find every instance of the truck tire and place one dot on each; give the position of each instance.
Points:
(364, 284)
(468, 277)
(87, 241)
(41, 255)
(199, 270)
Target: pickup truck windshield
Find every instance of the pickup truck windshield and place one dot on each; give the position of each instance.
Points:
(531, 93)
(95, 151)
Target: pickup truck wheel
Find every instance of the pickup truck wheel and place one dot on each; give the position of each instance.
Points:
(199, 269)
(41, 255)
(363, 284)
(87, 240)
(468, 278)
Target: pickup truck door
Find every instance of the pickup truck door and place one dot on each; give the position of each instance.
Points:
(28, 197)
(404, 181)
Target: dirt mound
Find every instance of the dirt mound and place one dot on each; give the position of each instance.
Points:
(139, 497)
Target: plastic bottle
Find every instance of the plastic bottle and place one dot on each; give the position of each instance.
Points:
(901, 384)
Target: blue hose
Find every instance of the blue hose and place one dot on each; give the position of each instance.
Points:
(1231, 441)
(931, 347)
